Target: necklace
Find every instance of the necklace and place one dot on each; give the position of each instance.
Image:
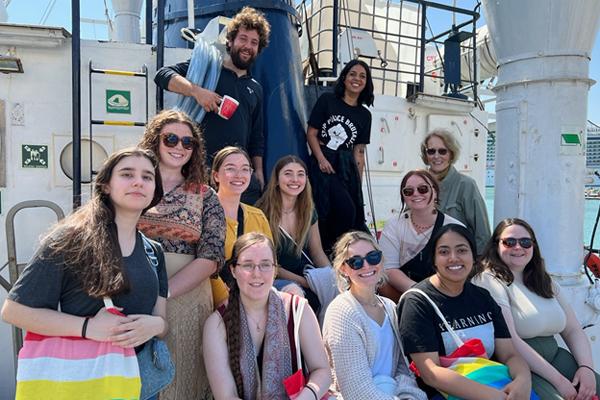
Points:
(419, 228)
(287, 212)
(258, 328)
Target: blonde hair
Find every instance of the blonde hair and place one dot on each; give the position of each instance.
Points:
(449, 141)
(340, 250)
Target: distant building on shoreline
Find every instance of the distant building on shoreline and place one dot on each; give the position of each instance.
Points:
(592, 159)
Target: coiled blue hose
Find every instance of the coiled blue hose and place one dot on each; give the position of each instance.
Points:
(204, 71)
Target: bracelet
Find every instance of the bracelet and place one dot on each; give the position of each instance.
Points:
(84, 327)
(314, 392)
(587, 366)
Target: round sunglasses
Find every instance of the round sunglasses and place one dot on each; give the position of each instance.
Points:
(373, 258)
(171, 140)
(512, 242)
(409, 191)
(441, 152)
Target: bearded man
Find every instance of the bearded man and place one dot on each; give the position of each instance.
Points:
(247, 34)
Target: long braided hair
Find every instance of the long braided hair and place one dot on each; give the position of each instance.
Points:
(231, 315)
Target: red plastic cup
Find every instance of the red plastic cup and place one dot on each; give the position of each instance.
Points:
(227, 107)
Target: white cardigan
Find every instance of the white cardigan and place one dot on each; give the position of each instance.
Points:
(352, 347)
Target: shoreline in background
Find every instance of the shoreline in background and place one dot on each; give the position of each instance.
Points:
(591, 210)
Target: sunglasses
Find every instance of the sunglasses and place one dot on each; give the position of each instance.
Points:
(373, 258)
(171, 140)
(441, 152)
(512, 242)
(409, 191)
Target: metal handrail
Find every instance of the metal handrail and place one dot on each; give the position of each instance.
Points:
(11, 250)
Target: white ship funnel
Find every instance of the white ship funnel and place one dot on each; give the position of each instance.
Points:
(127, 20)
(543, 52)
(3, 12)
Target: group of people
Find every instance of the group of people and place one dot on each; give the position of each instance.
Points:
(233, 251)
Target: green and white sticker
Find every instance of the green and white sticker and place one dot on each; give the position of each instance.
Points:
(118, 101)
(34, 155)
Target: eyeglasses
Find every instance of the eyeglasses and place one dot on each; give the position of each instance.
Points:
(441, 152)
(409, 191)
(232, 171)
(512, 242)
(265, 266)
(373, 258)
(171, 140)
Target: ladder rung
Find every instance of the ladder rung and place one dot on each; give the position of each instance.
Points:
(116, 72)
(119, 123)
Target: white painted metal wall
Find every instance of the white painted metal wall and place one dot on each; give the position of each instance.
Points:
(38, 108)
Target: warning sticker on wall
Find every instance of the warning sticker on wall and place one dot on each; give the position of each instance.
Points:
(34, 156)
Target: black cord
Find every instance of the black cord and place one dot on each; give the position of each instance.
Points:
(370, 193)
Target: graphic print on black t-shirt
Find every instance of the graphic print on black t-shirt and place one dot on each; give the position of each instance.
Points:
(339, 125)
(479, 326)
(336, 131)
(472, 314)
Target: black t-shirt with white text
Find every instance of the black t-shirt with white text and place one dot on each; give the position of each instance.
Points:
(339, 125)
(472, 314)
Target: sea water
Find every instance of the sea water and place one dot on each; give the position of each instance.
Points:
(589, 218)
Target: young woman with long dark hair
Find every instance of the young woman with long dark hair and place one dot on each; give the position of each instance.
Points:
(339, 129)
(535, 309)
(97, 252)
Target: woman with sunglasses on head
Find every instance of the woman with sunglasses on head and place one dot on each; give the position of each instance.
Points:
(513, 270)
(406, 239)
(190, 225)
(361, 329)
(247, 344)
(470, 311)
(287, 202)
(339, 129)
(459, 195)
(97, 252)
(230, 176)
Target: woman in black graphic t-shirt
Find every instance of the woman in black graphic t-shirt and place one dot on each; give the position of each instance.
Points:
(470, 311)
(339, 128)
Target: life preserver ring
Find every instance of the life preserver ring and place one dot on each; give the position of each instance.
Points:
(593, 263)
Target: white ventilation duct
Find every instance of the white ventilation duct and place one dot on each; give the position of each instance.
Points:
(127, 20)
(543, 52)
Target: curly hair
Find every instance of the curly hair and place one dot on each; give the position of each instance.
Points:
(535, 276)
(250, 19)
(87, 240)
(449, 141)
(231, 315)
(194, 171)
(366, 95)
(340, 250)
(220, 158)
(271, 204)
(429, 179)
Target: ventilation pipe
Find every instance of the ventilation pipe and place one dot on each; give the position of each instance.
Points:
(127, 20)
(543, 52)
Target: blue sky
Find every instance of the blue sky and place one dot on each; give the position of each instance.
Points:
(33, 11)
